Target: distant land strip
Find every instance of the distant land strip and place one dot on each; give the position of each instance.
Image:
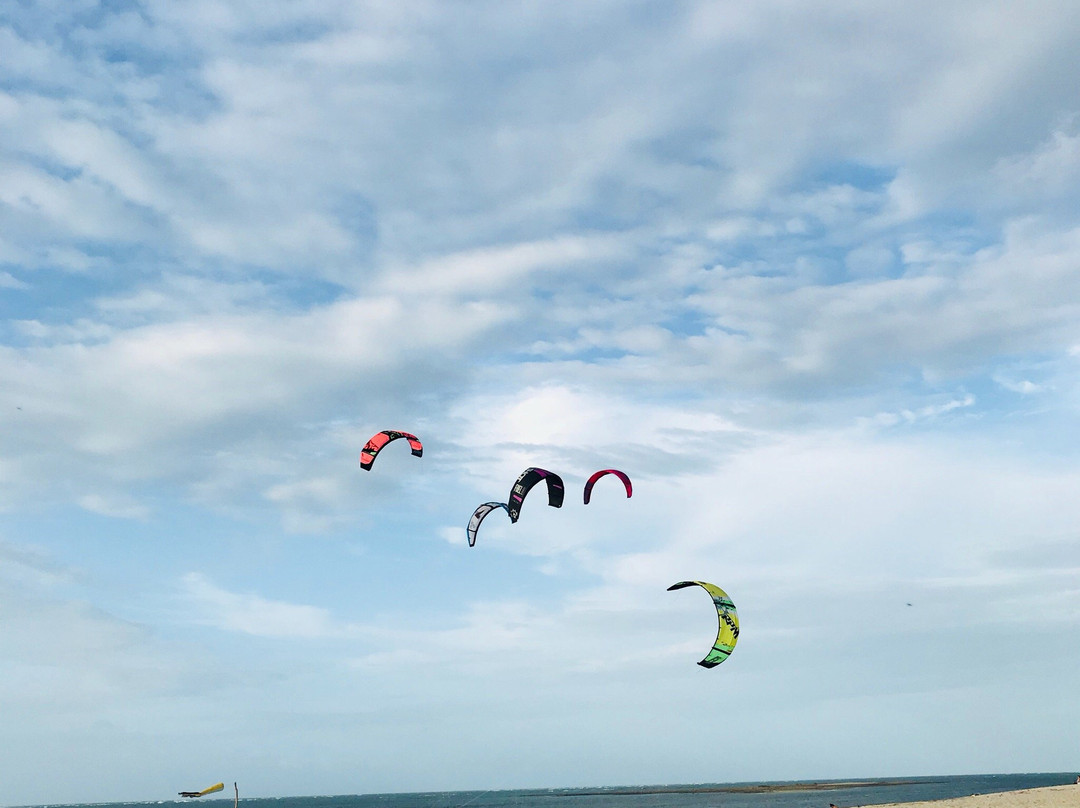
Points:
(764, 788)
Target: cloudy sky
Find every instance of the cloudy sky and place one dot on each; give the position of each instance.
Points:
(809, 273)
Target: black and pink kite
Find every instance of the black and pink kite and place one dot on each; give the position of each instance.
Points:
(526, 480)
(380, 439)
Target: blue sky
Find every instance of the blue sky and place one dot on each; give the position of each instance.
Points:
(809, 274)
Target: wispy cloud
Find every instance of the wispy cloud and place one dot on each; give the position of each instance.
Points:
(258, 616)
(9, 281)
(116, 507)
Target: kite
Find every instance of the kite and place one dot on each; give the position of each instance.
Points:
(211, 790)
(478, 517)
(728, 634)
(592, 481)
(528, 478)
(380, 439)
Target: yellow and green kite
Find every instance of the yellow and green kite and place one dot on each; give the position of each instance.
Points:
(728, 634)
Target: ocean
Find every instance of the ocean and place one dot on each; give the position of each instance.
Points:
(788, 794)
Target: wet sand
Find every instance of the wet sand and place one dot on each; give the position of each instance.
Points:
(1050, 797)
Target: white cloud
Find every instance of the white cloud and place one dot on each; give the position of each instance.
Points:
(80, 331)
(577, 430)
(258, 616)
(306, 502)
(1052, 168)
(167, 399)
(487, 270)
(453, 535)
(9, 281)
(928, 412)
(120, 508)
(1023, 386)
(82, 208)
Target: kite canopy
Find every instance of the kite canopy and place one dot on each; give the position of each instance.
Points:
(728, 634)
(380, 439)
(528, 478)
(592, 481)
(211, 790)
(478, 517)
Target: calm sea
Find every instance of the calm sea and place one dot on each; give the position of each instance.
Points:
(789, 794)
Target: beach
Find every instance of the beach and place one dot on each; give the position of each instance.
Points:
(1067, 796)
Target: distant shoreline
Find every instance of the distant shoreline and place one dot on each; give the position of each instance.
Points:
(762, 788)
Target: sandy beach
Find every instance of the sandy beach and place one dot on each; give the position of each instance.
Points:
(1067, 796)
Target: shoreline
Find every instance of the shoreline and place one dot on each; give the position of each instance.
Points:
(1065, 796)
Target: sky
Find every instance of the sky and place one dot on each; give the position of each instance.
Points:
(809, 273)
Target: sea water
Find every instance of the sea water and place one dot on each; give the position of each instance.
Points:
(787, 794)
